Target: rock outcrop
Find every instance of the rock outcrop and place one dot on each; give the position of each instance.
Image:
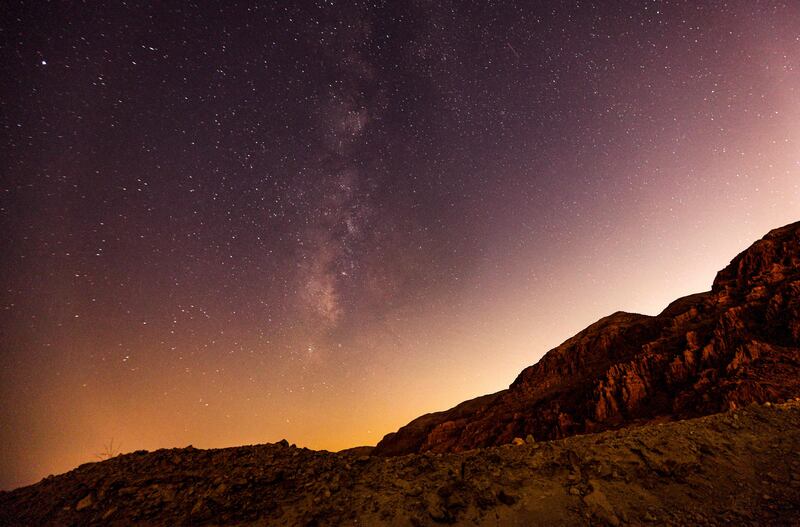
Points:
(713, 352)
(736, 344)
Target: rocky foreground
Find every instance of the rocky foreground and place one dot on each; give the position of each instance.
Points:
(736, 468)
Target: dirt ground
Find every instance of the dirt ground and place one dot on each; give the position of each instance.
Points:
(736, 468)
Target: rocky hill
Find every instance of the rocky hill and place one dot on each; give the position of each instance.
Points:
(736, 344)
(733, 352)
(735, 468)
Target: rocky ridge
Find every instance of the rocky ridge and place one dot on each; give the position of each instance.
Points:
(734, 350)
(736, 344)
(736, 468)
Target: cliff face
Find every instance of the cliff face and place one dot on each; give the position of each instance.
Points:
(736, 344)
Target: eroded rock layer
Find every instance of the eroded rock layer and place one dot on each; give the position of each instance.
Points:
(736, 344)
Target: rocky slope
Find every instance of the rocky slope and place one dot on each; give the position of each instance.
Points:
(735, 468)
(709, 352)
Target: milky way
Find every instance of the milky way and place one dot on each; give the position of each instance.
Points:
(225, 224)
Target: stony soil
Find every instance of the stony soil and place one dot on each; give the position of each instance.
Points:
(736, 468)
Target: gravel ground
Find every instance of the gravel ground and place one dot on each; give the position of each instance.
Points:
(736, 468)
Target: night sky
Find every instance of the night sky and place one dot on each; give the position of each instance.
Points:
(225, 225)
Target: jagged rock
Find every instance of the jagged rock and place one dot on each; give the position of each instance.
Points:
(717, 351)
(598, 504)
(736, 344)
(85, 503)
